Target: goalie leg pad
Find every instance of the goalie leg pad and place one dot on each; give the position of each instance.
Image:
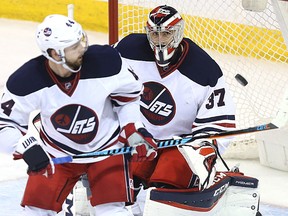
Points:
(113, 209)
(77, 202)
(171, 169)
(231, 194)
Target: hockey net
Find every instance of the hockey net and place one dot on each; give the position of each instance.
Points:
(248, 41)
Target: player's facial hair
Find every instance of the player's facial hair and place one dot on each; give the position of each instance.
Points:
(74, 65)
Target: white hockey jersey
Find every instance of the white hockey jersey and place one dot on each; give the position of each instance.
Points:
(79, 114)
(190, 96)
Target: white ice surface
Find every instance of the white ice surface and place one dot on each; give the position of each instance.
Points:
(18, 45)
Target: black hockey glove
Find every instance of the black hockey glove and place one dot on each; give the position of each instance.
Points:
(37, 159)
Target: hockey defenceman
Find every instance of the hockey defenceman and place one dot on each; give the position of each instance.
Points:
(184, 91)
(85, 96)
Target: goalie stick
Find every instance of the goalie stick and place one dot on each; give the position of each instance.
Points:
(168, 143)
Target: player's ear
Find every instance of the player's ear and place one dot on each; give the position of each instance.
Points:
(53, 54)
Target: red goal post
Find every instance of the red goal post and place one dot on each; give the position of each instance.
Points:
(245, 37)
(113, 21)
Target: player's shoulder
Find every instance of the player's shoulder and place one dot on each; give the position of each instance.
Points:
(199, 66)
(135, 46)
(29, 78)
(101, 61)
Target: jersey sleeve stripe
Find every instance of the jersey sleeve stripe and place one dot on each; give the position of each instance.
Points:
(214, 119)
(12, 124)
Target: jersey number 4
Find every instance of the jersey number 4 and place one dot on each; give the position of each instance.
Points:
(7, 107)
(217, 97)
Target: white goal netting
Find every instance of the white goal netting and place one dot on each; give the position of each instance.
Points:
(250, 43)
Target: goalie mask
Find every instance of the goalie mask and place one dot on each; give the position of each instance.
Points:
(58, 32)
(164, 29)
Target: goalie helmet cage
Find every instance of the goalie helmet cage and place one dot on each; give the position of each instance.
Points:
(246, 37)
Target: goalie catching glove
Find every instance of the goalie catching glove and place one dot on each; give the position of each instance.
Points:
(136, 135)
(201, 159)
(37, 159)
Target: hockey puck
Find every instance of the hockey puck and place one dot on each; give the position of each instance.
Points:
(241, 80)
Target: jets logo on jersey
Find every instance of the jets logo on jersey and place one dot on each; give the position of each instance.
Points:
(157, 103)
(76, 122)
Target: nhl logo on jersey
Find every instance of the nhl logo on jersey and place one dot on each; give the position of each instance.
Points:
(76, 122)
(157, 103)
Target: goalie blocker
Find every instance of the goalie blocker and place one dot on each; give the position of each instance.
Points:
(231, 194)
